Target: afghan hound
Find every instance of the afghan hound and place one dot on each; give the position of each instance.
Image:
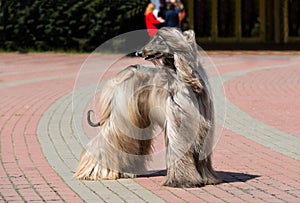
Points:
(175, 95)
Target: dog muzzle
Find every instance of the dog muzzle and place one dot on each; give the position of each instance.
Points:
(139, 53)
(150, 56)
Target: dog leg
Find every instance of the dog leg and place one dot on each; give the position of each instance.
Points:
(202, 149)
(180, 134)
(187, 164)
(186, 132)
(92, 164)
(112, 157)
(206, 171)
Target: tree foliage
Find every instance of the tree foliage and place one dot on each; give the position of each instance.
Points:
(80, 25)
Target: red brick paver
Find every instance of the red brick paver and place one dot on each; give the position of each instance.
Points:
(265, 86)
(26, 172)
(271, 96)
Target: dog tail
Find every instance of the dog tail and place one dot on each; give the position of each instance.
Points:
(108, 94)
(91, 123)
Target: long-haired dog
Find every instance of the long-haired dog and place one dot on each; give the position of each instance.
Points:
(175, 97)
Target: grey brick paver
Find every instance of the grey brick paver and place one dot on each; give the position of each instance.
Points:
(63, 141)
(122, 191)
(245, 125)
(55, 156)
(62, 136)
(140, 191)
(237, 120)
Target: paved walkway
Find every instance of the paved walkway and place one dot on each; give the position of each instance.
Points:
(42, 134)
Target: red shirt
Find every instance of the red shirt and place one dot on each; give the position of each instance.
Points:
(151, 21)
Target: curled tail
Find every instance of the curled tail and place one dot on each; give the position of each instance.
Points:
(108, 95)
(91, 123)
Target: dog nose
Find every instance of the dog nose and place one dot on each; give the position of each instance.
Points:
(139, 53)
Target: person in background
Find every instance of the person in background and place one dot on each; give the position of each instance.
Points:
(157, 7)
(162, 9)
(172, 16)
(182, 12)
(179, 7)
(152, 23)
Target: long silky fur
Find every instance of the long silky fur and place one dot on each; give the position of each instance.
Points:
(181, 93)
(124, 111)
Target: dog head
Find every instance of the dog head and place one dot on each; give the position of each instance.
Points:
(168, 42)
(176, 51)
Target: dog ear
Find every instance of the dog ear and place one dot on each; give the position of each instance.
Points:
(189, 36)
(186, 72)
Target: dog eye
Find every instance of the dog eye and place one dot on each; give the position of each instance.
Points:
(160, 42)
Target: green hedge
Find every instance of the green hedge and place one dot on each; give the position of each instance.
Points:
(79, 25)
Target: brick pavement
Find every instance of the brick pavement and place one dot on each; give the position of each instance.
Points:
(42, 133)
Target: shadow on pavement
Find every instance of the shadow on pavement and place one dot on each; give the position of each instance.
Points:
(231, 177)
(225, 176)
(153, 173)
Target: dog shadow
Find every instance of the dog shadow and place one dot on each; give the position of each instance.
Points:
(225, 176)
(232, 177)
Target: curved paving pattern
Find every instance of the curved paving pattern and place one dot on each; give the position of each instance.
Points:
(249, 126)
(39, 144)
(279, 87)
(25, 173)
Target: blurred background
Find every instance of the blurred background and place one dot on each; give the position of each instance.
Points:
(82, 25)
(246, 24)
